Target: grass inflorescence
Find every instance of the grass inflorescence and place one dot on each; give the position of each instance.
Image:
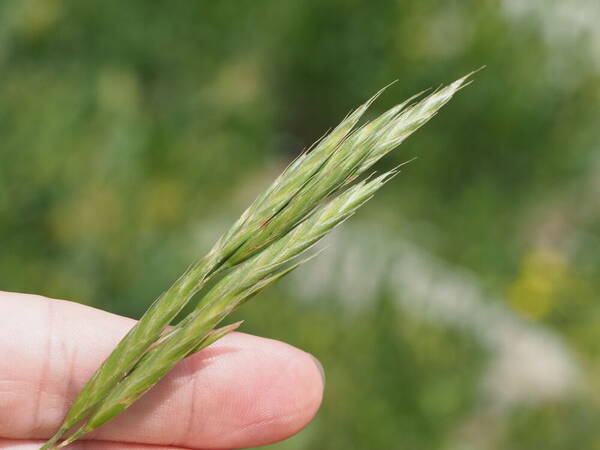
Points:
(318, 191)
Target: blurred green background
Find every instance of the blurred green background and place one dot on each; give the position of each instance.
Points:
(458, 310)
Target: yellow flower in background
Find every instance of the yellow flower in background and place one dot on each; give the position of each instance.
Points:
(533, 293)
(38, 17)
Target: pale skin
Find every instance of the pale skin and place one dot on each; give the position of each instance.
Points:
(243, 391)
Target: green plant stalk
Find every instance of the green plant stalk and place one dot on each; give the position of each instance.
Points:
(171, 302)
(227, 295)
(335, 161)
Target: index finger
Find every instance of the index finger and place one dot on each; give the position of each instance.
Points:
(242, 391)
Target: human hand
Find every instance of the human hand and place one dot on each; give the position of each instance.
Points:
(242, 391)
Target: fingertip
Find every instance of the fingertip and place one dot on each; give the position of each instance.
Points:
(271, 391)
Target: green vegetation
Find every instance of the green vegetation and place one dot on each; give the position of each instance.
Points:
(128, 132)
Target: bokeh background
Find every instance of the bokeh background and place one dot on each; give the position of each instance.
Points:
(458, 310)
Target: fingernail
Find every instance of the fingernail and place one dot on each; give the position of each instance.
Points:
(320, 367)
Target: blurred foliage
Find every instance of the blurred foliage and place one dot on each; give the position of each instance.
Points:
(129, 132)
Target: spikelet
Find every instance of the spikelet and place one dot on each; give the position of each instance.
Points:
(280, 224)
